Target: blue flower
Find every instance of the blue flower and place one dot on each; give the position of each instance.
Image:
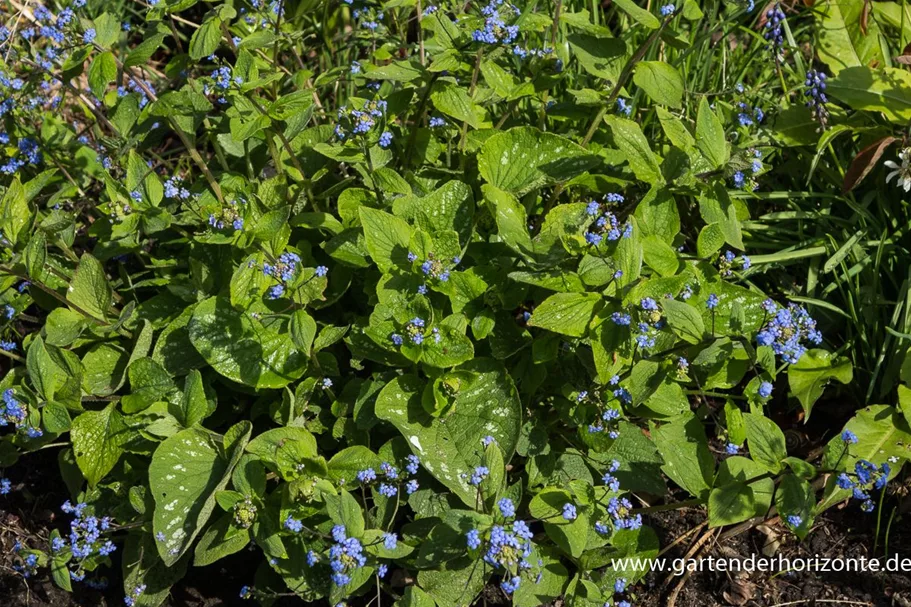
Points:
(510, 585)
(390, 541)
(795, 520)
(765, 389)
(479, 474)
(89, 36)
(788, 331)
(385, 139)
(732, 449)
(667, 9)
(849, 437)
(507, 507)
(321, 271)
(620, 585)
(294, 525)
(815, 91)
(473, 538)
(366, 476)
(712, 302)
(436, 122)
(569, 512)
(6, 487)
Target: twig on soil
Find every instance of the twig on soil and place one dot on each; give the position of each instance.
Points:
(817, 601)
(692, 552)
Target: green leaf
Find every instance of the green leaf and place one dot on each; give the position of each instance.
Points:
(566, 313)
(107, 30)
(599, 56)
(194, 407)
(44, 373)
(711, 239)
(523, 159)
(886, 90)
(148, 383)
(809, 375)
(205, 40)
(387, 238)
(220, 540)
(485, 404)
(660, 256)
(456, 584)
(303, 330)
(730, 504)
(143, 567)
(639, 14)
(710, 135)
(186, 472)
(550, 578)
(795, 496)
(766, 441)
(687, 459)
(99, 438)
(629, 138)
(242, 348)
(684, 320)
(345, 510)
(454, 101)
(102, 72)
(15, 213)
(744, 471)
(904, 402)
(882, 433)
(843, 41)
(89, 289)
(660, 81)
(657, 215)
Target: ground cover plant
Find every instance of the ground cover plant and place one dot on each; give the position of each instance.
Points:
(438, 303)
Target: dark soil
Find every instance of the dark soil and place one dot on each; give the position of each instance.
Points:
(842, 532)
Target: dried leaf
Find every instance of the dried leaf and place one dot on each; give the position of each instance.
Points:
(864, 162)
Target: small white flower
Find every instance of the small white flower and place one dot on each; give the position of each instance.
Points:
(903, 172)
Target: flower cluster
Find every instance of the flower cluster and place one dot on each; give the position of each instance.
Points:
(229, 216)
(390, 477)
(788, 330)
(352, 122)
(505, 547)
(742, 180)
(245, 512)
(284, 270)
(729, 260)
(137, 591)
(433, 268)
(415, 332)
(609, 416)
(15, 413)
(868, 477)
(85, 538)
(606, 224)
(620, 586)
(27, 565)
(174, 188)
(495, 29)
(650, 323)
(773, 29)
(618, 508)
(815, 91)
(345, 556)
